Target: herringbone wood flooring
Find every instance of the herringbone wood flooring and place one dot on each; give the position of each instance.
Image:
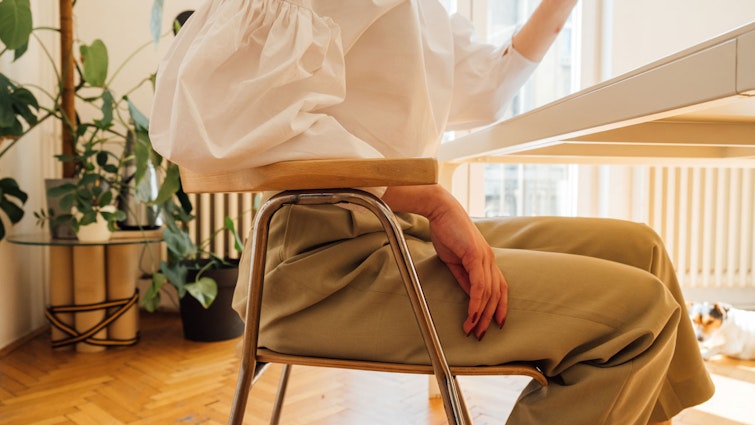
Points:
(168, 380)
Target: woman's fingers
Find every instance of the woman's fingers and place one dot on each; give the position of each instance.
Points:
(503, 304)
(488, 296)
(491, 302)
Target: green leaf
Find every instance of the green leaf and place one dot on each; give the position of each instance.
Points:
(179, 243)
(89, 217)
(102, 158)
(61, 190)
(20, 51)
(67, 201)
(15, 23)
(9, 187)
(171, 185)
(142, 158)
(7, 112)
(23, 102)
(141, 122)
(88, 179)
(176, 275)
(106, 199)
(155, 22)
(151, 298)
(11, 209)
(113, 216)
(204, 289)
(95, 61)
(229, 225)
(16, 103)
(107, 110)
(11, 200)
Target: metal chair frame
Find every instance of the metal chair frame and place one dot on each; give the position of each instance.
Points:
(453, 401)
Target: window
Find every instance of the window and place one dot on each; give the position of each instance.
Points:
(525, 189)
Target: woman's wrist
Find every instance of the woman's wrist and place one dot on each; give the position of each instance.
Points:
(425, 200)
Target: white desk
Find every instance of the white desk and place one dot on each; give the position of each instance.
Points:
(693, 107)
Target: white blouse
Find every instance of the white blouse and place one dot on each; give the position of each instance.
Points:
(251, 82)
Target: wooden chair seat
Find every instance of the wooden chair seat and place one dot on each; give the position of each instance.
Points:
(330, 182)
(315, 174)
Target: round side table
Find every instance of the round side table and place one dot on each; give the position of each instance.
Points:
(93, 295)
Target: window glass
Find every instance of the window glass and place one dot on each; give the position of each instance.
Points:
(532, 189)
(450, 5)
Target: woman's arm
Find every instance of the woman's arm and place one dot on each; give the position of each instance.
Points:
(537, 35)
(462, 248)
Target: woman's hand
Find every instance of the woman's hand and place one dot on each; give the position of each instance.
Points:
(462, 248)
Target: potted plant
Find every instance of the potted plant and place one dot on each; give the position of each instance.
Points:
(92, 148)
(192, 269)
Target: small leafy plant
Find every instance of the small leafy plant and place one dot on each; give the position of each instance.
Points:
(183, 253)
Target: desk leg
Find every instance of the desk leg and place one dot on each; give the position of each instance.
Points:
(61, 288)
(122, 274)
(89, 288)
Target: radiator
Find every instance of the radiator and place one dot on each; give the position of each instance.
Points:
(211, 210)
(705, 216)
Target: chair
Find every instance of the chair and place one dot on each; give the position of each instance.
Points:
(323, 182)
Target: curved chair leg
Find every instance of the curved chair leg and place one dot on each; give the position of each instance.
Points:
(453, 400)
(249, 347)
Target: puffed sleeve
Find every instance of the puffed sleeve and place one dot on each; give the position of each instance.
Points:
(243, 85)
(486, 77)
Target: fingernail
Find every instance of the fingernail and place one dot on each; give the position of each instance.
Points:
(481, 336)
(503, 322)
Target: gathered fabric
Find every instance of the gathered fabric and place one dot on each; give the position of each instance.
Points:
(248, 83)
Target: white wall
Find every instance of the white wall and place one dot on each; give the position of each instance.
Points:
(23, 271)
(123, 26)
(640, 32)
(646, 30)
(643, 31)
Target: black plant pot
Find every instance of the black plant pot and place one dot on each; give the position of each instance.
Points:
(219, 322)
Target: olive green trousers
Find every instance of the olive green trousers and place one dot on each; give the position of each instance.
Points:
(594, 303)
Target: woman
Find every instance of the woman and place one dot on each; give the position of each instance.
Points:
(594, 303)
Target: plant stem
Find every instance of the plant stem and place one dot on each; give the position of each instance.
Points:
(68, 99)
(127, 60)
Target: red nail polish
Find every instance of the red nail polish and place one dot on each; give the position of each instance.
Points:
(482, 335)
(503, 322)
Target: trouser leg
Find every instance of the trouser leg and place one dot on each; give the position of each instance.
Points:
(687, 382)
(604, 331)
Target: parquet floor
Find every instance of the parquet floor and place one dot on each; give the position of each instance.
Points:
(168, 380)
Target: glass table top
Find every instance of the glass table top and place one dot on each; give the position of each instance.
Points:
(121, 237)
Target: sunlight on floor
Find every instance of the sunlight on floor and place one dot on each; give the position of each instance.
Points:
(733, 400)
(735, 394)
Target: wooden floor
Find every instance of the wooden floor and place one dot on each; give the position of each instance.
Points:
(168, 380)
